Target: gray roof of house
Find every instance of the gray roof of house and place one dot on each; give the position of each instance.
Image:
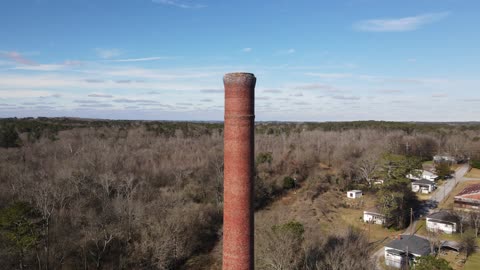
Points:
(374, 210)
(413, 243)
(442, 216)
(424, 182)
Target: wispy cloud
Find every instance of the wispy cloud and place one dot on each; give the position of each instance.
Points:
(288, 51)
(247, 50)
(272, 91)
(216, 91)
(390, 91)
(96, 105)
(126, 100)
(179, 4)
(329, 75)
(346, 97)
(123, 81)
(439, 95)
(316, 86)
(17, 58)
(99, 95)
(23, 93)
(32, 66)
(108, 53)
(50, 67)
(94, 81)
(399, 24)
(82, 101)
(143, 59)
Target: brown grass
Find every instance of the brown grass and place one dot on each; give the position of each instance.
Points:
(473, 173)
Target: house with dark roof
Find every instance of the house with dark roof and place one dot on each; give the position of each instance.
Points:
(373, 215)
(423, 186)
(442, 221)
(468, 199)
(405, 250)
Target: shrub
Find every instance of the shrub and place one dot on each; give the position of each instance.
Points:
(475, 164)
(264, 158)
(293, 227)
(9, 136)
(288, 182)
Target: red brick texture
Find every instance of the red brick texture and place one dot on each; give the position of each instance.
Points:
(238, 221)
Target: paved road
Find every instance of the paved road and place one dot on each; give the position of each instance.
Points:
(438, 196)
(443, 191)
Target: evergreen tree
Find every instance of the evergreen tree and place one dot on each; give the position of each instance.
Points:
(9, 136)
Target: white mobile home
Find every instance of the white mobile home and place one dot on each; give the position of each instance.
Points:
(423, 186)
(374, 216)
(442, 221)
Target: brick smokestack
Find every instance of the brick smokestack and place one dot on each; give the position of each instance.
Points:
(238, 171)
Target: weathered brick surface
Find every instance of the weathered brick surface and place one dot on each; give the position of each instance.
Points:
(238, 171)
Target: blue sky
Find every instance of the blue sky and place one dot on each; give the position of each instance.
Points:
(410, 60)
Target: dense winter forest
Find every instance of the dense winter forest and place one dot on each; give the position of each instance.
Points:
(85, 194)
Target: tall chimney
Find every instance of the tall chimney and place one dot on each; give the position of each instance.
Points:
(238, 171)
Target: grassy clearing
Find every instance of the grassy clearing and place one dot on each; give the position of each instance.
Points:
(473, 173)
(454, 259)
(428, 163)
(473, 262)
(326, 214)
(448, 203)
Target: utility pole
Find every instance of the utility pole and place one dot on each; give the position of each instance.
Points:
(411, 221)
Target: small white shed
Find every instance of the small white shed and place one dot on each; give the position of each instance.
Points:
(354, 194)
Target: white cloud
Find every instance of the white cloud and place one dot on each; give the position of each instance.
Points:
(51, 67)
(23, 93)
(179, 4)
(247, 50)
(287, 51)
(399, 24)
(107, 53)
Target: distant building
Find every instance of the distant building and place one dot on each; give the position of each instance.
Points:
(354, 194)
(374, 216)
(405, 250)
(444, 158)
(442, 221)
(468, 199)
(422, 174)
(378, 182)
(423, 186)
